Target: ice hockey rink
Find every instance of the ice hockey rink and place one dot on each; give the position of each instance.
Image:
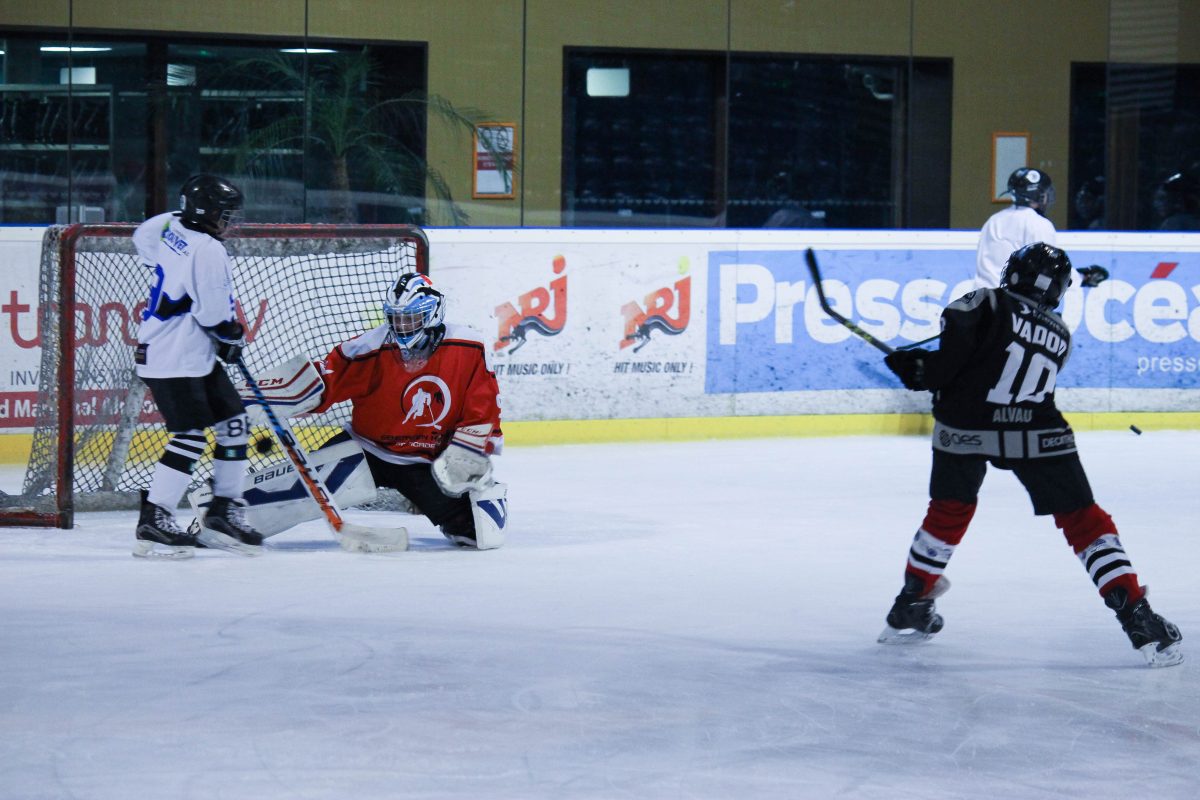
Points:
(682, 620)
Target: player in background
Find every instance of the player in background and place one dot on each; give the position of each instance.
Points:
(992, 379)
(425, 411)
(1022, 223)
(189, 322)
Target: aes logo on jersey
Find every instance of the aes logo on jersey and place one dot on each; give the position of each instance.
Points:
(666, 310)
(542, 310)
(426, 402)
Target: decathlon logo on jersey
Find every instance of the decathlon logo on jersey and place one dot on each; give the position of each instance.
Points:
(542, 310)
(426, 402)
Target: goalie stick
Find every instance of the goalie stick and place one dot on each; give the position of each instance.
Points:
(360, 538)
(815, 271)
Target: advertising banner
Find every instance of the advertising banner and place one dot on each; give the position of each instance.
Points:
(609, 324)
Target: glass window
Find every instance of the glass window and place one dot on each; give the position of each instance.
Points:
(647, 156)
(1135, 146)
(70, 145)
(809, 142)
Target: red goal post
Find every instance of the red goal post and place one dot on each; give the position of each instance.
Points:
(301, 289)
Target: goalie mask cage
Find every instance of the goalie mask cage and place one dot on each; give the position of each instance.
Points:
(301, 289)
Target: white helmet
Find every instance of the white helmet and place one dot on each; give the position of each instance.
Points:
(414, 311)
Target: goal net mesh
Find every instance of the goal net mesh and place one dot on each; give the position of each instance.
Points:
(301, 289)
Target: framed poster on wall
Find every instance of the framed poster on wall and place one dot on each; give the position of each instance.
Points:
(495, 160)
(1010, 151)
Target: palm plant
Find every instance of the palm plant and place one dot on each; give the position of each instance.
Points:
(368, 140)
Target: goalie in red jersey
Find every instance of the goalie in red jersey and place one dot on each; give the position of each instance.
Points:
(426, 415)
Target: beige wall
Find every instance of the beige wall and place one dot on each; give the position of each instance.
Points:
(1011, 60)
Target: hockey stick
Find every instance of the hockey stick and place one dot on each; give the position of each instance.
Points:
(350, 536)
(815, 271)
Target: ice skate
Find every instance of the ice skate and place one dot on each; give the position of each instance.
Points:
(159, 536)
(224, 527)
(1151, 635)
(914, 618)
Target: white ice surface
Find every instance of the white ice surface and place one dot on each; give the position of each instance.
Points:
(689, 620)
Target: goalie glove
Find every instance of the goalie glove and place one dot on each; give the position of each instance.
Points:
(292, 388)
(463, 465)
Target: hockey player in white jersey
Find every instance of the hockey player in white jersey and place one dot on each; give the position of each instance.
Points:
(1022, 223)
(190, 321)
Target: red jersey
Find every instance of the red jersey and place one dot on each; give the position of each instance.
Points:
(410, 417)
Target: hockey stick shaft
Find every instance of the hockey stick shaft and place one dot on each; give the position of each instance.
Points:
(308, 476)
(815, 271)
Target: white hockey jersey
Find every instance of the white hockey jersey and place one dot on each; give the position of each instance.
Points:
(191, 288)
(1004, 232)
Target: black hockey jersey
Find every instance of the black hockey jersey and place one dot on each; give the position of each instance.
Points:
(997, 363)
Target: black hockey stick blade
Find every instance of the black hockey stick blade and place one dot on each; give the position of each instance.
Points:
(815, 271)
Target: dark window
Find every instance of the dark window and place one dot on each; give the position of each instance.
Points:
(806, 142)
(648, 157)
(111, 128)
(1135, 147)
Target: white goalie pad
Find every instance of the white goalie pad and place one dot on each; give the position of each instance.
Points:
(276, 499)
(292, 388)
(459, 470)
(490, 509)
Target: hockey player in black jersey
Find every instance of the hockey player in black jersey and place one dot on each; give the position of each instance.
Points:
(992, 379)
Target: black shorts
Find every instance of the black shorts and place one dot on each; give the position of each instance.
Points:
(195, 403)
(1056, 484)
(453, 515)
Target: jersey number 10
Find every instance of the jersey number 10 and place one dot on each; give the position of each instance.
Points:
(1039, 369)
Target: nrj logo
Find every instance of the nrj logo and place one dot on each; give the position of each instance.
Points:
(657, 315)
(543, 310)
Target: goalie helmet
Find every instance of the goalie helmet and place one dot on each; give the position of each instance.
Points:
(414, 311)
(1039, 272)
(209, 204)
(1028, 186)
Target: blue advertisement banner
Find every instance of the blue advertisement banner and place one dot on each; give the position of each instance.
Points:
(767, 332)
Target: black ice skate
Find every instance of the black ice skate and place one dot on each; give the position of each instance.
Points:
(224, 526)
(159, 536)
(1151, 635)
(913, 617)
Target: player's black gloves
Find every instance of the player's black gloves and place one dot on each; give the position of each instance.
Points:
(1093, 275)
(909, 366)
(229, 337)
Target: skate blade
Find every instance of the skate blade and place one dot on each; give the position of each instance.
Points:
(361, 539)
(145, 549)
(892, 635)
(1167, 657)
(221, 541)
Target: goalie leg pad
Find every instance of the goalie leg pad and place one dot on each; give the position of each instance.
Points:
(489, 507)
(276, 500)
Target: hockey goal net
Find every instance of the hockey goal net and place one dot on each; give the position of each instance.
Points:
(301, 289)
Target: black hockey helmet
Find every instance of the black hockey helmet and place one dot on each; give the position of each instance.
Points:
(1039, 272)
(209, 203)
(1028, 185)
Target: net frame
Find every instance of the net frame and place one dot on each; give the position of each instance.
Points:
(357, 260)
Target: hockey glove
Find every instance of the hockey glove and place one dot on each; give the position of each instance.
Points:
(229, 337)
(909, 366)
(1094, 275)
(459, 469)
